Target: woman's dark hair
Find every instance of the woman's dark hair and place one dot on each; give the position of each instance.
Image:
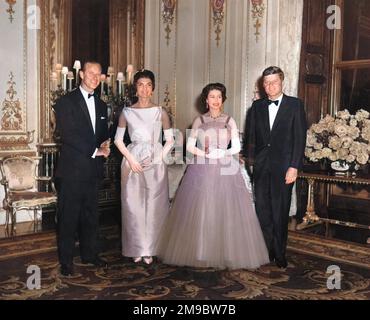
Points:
(209, 87)
(144, 74)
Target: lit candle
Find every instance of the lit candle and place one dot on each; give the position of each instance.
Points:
(70, 77)
(54, 80)
(120, 79)
(58, 69)
(77, 67)
(129, 71)
(64, 73)
(108, 81)
(110, 72)
(102, 80)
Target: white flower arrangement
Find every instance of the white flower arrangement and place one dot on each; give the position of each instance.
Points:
(344, 138)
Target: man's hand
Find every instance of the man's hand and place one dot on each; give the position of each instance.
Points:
(103, 152)
(104, 149)
(291, 175)
(105, 144)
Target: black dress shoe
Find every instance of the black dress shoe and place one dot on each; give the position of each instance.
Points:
(66, 270)
(96, 263)
(281, 263)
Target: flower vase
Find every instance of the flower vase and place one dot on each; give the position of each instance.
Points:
(342, 168)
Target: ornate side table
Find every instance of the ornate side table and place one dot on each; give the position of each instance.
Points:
(311, 218)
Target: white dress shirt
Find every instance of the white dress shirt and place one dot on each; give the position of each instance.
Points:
(273, 110)
(91, 107)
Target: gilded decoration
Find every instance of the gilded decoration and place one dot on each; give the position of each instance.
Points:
(167, 102)
(10, 10)
(258, 10)
(218, 17)
(168, 14)
(11, 119)
(17, 143)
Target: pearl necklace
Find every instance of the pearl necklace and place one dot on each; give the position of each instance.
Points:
(216, 117)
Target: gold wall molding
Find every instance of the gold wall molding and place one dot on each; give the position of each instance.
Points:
(168, 15)
(167, 103)
(218, 17)
(61, 29)
(10, 10)
(258, 10)
(55, 47)
(14, 137)
(12, 119)
(47, 48)
(12, 143)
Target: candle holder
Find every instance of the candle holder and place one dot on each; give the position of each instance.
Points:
(117, 92)
(54, 96)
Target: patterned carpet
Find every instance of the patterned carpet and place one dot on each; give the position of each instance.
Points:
(304, 279)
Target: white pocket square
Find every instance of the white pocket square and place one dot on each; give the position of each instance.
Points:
(102, 118)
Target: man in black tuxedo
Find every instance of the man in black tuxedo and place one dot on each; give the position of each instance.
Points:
(273, 146)
(82, 124)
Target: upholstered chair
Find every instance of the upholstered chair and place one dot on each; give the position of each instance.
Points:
(19, 178)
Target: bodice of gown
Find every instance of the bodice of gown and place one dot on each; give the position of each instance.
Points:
(214, 133)
(144, 126)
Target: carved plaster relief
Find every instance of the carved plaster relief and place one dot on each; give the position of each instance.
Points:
(218, 17)
(168, 14)
(11, 119)
(258, 10)
(10, 10)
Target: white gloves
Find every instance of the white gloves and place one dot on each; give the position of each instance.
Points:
(235, 147)
(216, 154)
(168, 134)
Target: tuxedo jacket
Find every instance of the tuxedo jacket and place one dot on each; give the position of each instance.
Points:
(78, 140)
(282, 146)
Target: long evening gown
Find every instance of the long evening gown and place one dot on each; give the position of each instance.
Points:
(144, 196)
(212, 222)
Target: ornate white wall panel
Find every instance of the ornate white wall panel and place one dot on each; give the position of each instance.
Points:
(19, 54)
(237, 59)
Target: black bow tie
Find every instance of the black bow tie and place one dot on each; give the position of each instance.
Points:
(90, 95)
(274, 101)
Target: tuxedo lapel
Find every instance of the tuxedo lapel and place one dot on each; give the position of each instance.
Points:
(97, 117)
(283, 108)
(82, 103)
(265, 117)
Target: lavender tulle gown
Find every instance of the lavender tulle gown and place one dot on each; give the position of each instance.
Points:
(144, 196)
(212, 222)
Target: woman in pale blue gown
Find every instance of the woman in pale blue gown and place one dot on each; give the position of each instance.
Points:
(212, 222)
(144, 177)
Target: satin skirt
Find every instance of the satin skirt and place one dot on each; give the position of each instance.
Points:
(145, 205)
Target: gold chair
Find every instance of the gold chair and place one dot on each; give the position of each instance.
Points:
(19, 178)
